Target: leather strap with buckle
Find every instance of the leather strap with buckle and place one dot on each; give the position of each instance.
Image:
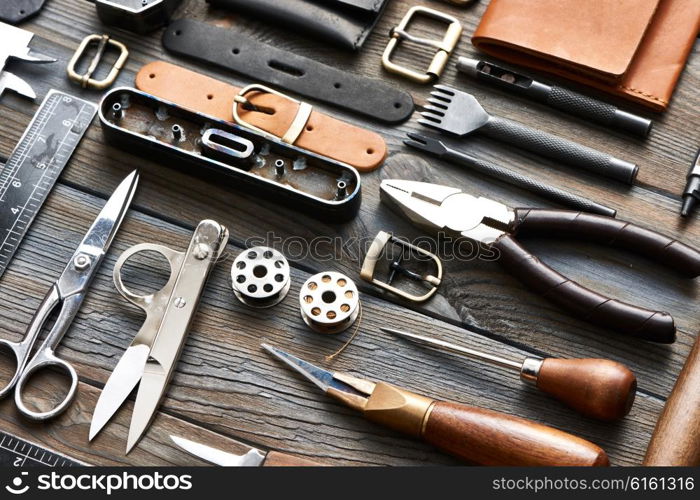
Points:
(85, 80)
(374, 255)
(274, 113)
(295, 128)
(444, 47)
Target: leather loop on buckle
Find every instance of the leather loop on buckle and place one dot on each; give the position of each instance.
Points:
(297, 125)
(86, 80)
(444, 47)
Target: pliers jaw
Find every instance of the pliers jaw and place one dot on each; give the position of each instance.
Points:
(444, 209)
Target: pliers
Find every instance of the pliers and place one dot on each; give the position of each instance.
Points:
(495, 226)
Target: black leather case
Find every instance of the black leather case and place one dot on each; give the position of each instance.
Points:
(343, 22)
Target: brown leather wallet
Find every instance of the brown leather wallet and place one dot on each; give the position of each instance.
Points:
(634, 49)
(363, 149)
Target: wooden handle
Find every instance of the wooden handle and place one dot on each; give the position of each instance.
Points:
(597, 388)
(277, 459)
(490, 438)
(676, 439)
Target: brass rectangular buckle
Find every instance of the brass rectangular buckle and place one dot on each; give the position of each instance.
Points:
(444, 47)
(295, 128)
(374, 254)
(86, 80)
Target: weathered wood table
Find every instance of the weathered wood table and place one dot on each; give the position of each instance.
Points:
(226, 387)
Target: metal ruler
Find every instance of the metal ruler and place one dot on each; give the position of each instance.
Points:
(36, 162)
(17, 452)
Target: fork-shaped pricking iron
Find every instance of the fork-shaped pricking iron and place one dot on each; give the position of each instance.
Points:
(459, 113)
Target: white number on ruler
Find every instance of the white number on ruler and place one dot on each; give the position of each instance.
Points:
(67, 99)
(18, 461)
(67, 123)
(15, 210)
(16, 184)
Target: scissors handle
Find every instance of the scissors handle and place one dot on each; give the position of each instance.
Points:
(146, 302)
(22, 349)
(44, 356)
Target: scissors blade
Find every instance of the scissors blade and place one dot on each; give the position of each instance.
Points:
(253, 458)
(154, 383)
(121, 382)
(100, 235)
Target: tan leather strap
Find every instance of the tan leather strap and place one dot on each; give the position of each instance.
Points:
(363, 149)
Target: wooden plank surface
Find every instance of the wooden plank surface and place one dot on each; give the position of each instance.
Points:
(226, 386)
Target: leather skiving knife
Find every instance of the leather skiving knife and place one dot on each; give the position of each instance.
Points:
(363, 149)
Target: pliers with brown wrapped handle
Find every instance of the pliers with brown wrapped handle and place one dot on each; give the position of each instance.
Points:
(487, 222)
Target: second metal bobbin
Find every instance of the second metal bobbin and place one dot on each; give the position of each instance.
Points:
(260, 277)
(329, 302)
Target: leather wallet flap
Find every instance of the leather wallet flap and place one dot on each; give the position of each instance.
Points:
(597, 37)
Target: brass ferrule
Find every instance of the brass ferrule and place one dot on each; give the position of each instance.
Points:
(398, 408)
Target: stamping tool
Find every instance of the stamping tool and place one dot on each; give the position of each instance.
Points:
(555, 97)
(459, 113)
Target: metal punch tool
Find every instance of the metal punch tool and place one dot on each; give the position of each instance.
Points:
(68, 293)
(152, 356)
(459, 113)
(488, 223)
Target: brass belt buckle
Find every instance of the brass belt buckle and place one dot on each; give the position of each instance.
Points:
(374, 254)
(297, 125)
(444, 47)
(86, 80)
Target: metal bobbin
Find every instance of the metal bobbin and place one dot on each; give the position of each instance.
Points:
(329, 302)
(260, 277)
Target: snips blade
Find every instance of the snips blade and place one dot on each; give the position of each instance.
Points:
(121, 382)
(253, 458)
(206, 246)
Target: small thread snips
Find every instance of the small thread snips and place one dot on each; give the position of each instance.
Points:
(153, 354)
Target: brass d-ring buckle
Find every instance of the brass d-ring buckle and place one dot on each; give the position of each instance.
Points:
(297, 125)
(86, 80)
(444, 47)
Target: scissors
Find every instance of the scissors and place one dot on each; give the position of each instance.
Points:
(68, 291)
(150, 360)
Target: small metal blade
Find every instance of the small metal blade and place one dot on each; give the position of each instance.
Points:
(442, 105)
(429, 123)
(322, 378)
(27, 54)
(425, 143)
(121, 382)
(432, 116)
(253, 458)
(436, 110)
(10, 81)
(154, 383)
(444, 89)
(105, 226)
(440, 97)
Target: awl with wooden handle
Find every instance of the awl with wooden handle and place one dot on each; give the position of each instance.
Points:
(252, 458)
(472, 434)
(676, 438)
(597, 388)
